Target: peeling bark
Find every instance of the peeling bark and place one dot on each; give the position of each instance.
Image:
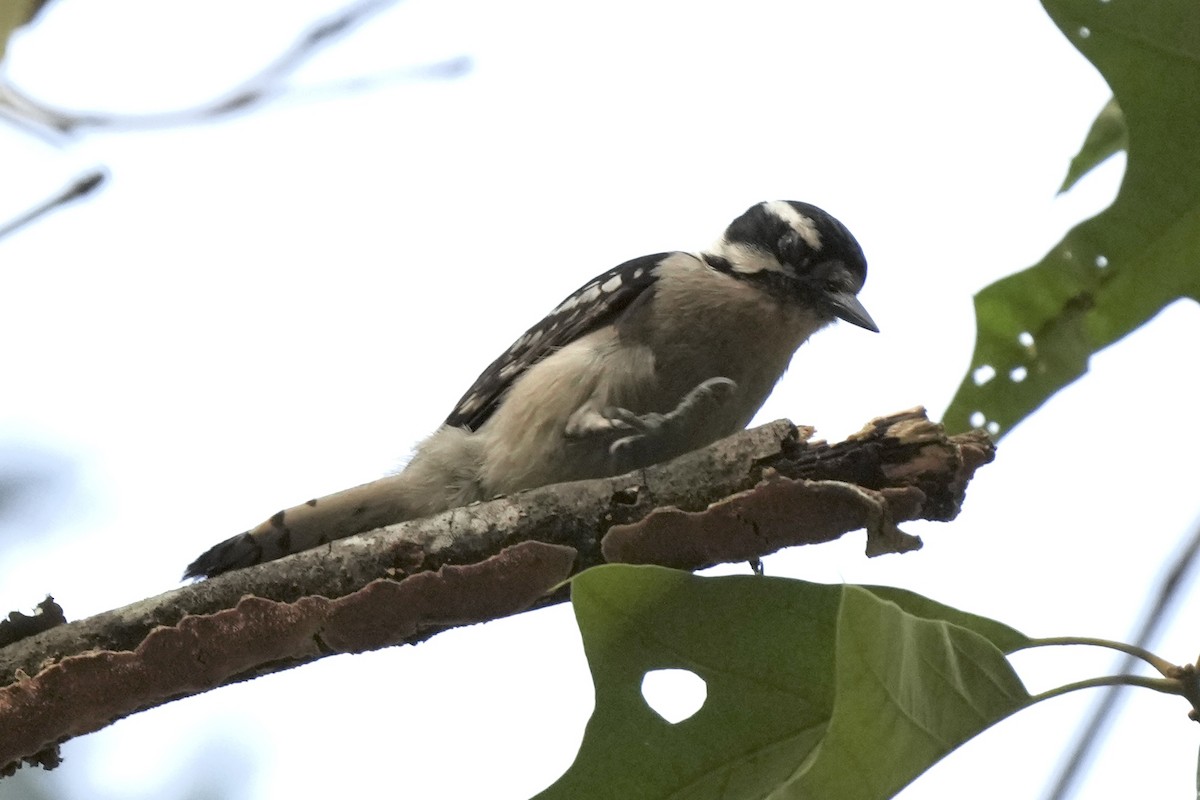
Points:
(737, 500)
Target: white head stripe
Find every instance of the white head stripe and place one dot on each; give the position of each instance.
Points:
(800, 224)
(747, 259)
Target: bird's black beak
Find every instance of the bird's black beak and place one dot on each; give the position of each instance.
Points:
(846, 306)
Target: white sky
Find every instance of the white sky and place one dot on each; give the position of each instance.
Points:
(277, 306)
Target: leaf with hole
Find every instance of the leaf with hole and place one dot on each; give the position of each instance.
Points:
(814, 691)
(1113, 272)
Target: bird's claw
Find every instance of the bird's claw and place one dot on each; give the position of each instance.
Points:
(655, 432)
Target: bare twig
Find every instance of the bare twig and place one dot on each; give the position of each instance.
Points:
(57, 126)
(81, 187)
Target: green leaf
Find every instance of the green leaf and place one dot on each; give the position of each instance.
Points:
(1005, 639)
(813, 691)
(1037, 329)
(910, 690)
(1107, 137)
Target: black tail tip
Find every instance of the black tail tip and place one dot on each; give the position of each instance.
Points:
(233, 553)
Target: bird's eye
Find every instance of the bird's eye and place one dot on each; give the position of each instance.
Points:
(832, 287)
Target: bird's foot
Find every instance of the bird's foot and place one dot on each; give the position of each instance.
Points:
(656, 437)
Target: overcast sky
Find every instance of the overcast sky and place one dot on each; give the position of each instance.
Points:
(276, 306)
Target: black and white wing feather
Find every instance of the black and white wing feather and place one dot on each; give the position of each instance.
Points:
(592, 306)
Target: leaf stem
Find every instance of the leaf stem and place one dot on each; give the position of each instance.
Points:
(1164, 667)
(1164, 685)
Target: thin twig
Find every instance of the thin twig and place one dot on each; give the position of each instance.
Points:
(81, 187)
(1091, 732)
(57, 126)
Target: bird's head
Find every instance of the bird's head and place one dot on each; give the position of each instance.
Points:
(799, 253)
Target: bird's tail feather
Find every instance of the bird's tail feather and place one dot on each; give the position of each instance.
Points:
(442, 475)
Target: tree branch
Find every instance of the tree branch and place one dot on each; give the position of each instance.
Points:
(739, 499)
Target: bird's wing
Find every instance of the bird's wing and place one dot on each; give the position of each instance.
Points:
(593, 305)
